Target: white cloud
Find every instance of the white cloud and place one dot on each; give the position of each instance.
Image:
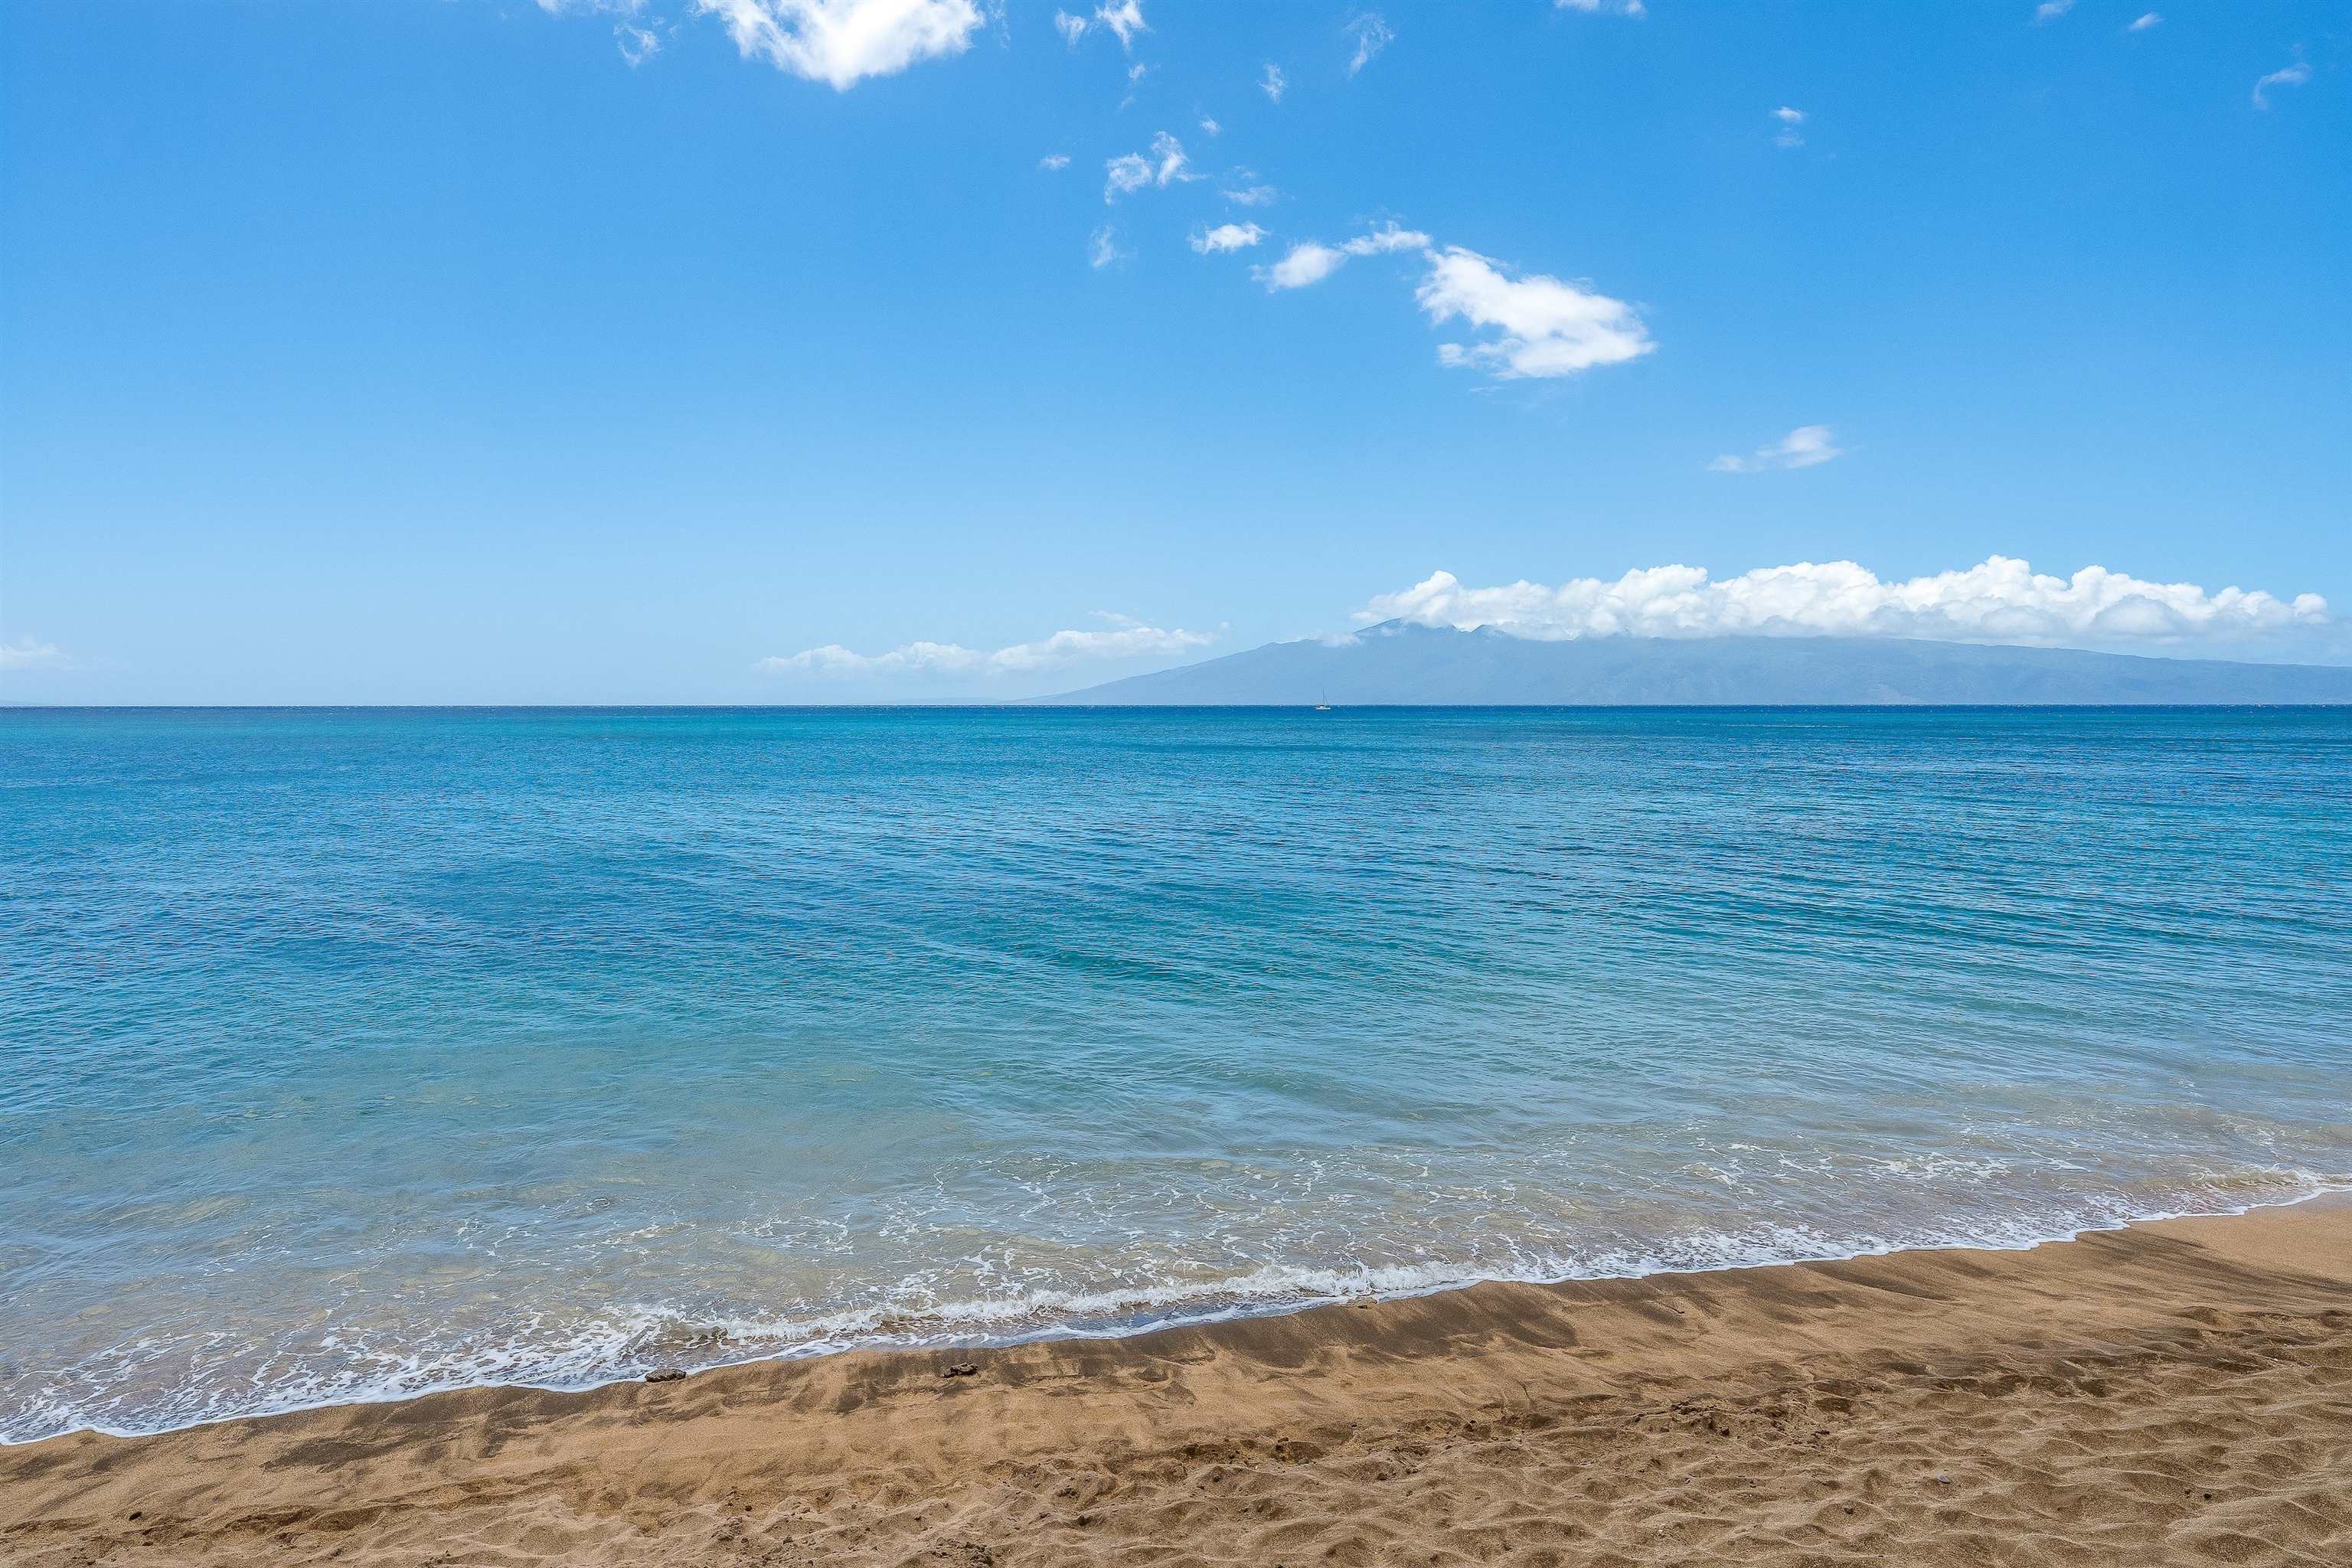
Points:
(1372, 34)
(1128, 172)
(1543, 327)
(1133, 170)
(842, 41)
(2294, 74)
(1123, 638)
(1273, 82)
(26, 654)
(1802, 447)
(1383, 240)
(1790, 120)
(1126, 19)
(1054, 160)
(1310, 261)
(1307, 263)
(2050, 10)
(637, 45)
(2147, 19)
(1170, 155)
(1253, 195)
(2000, 601)
(1211, 126)
(1633, 8)
(1102, 247)
(1227, 237)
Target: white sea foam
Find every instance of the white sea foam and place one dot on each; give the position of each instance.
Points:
(625, 1344)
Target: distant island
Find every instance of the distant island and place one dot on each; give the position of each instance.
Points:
(1404, 664)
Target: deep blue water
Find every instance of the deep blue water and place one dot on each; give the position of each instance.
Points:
(345, 1054)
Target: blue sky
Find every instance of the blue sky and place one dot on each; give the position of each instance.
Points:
(450, 351)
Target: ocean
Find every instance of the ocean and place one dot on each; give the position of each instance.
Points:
(348, 1055)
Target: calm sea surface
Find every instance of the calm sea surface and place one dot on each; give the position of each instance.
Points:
(353, 1054)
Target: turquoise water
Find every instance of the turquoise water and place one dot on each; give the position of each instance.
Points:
(352, 1054)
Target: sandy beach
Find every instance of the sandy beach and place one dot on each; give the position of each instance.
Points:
(2180, 1392)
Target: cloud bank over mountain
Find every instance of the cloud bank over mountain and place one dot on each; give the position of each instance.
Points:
(1120, 638)
(2000, 600)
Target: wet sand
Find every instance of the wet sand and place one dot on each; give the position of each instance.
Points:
(2176, 1392)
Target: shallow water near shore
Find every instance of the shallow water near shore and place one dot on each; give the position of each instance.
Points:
(354, 1054)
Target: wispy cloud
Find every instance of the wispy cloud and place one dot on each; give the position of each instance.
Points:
(1054, 160)
(1594, 8)
(1133, 170)
(1273, 82)
(1227, 237)
(2294, 74)
(1372, 34)
(1210, 126)
(2050, 10)
(840, 42)
(1311, 261)
(1789, 119)
(1128, 172)
(1251, 195)
(1102, 248)
(2146, 19)
(1386, 239)
(1541, 326)
(637, 45)
(1123, 20)
(1999, 601)
(1121, 638)
(25, 653)
(1802, 447)
(1307, 262)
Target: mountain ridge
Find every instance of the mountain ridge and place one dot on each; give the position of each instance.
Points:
(1403, 664)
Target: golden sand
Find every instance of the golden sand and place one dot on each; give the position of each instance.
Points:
(2179, 1393)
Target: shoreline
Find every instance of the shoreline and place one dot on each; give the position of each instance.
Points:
(1145, 1321)
(1818, 1387)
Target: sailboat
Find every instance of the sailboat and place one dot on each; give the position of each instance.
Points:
(1322, 702)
